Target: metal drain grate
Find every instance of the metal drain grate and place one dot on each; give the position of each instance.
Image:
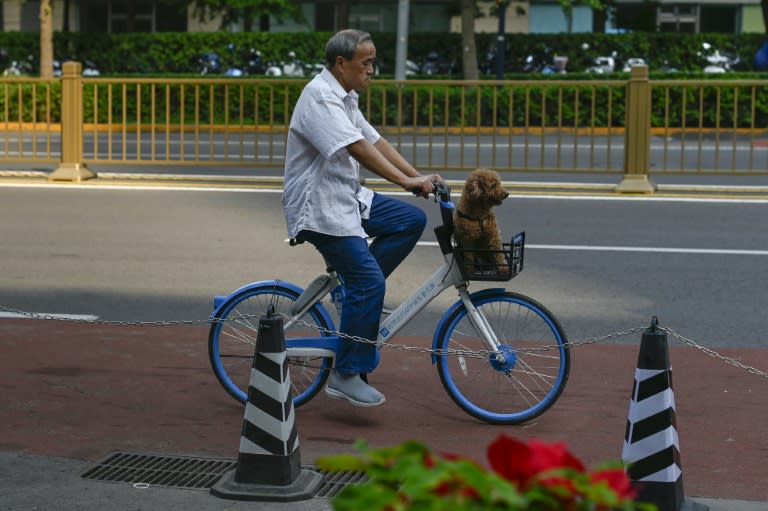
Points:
(334, 482)
(191, 473)
(176, 471)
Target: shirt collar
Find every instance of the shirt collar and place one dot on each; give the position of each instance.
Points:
(336, 86)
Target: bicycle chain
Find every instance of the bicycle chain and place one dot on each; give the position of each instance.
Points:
(436, 352)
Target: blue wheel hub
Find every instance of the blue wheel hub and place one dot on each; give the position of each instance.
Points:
(505, 360)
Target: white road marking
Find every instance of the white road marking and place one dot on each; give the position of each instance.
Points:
(47, 315)
(662, 250)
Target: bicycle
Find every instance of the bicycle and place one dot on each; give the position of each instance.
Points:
(502, 357)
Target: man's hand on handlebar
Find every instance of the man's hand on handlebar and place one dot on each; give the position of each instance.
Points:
(423, 186)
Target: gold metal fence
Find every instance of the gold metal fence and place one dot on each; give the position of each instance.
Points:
(627, 127)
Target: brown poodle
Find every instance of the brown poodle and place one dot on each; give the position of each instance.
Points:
(475, 222)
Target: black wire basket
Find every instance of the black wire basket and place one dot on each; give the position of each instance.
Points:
(492, 264)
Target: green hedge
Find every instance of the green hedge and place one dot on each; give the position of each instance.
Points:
(163, 52)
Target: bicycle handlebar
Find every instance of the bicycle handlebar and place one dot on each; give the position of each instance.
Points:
(442, 191)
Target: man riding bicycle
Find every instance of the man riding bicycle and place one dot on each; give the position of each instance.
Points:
(325, 204)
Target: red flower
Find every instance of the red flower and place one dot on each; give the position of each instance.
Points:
(617, 479)
(520, 462)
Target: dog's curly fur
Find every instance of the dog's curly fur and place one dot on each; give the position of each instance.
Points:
(475, 222)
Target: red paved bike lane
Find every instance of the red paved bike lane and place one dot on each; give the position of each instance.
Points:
(83, 390)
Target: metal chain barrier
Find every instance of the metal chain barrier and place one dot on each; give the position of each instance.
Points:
(712, 353)
(436, 352)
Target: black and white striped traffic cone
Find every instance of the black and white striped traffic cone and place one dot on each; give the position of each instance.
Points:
(269, 461)
(651, 441)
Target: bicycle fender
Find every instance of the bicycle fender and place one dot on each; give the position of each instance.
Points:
(477, 294)
(220, 300)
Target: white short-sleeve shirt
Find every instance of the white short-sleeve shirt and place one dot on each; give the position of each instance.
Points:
(322, 190)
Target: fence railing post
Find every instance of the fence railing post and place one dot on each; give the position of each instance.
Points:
(637, 134)
(71, 167)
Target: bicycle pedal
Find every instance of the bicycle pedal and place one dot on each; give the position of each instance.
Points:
(311, 293)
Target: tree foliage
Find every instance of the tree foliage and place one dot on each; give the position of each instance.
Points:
(233, 11)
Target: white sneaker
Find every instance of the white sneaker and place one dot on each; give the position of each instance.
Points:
(352, 388)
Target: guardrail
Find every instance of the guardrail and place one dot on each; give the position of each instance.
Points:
(627, 127)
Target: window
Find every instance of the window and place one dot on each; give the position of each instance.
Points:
(635, 17)
(133, 16)
(719, 19)
(678, 18)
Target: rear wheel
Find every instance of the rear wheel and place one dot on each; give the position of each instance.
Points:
(232, 341)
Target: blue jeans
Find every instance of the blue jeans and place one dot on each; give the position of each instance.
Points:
(395, 227)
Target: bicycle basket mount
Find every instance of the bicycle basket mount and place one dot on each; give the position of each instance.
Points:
(492, 264)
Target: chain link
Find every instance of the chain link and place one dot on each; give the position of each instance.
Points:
(466, 353)
(712, 353)
(418, 349)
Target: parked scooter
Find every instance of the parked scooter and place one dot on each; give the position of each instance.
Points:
(604, 64)
(292, 67)
(546, 63)
(89, 67)
(716, 61)
(256, 64)
(633, 61)
(611, 63)
(21, 67)
(435, 63)
(208, 63)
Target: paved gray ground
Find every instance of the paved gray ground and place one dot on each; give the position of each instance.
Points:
(41, 483)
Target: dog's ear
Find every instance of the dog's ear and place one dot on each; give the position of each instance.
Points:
(473, 189)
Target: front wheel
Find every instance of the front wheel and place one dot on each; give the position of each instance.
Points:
(519, 382)
(233, 333)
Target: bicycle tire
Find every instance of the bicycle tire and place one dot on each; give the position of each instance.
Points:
(536, 362)
(232, 339)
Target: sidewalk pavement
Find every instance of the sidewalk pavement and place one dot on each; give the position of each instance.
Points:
(671, 186)
(29, 482)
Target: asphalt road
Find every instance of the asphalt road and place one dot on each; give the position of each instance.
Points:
(601, 265)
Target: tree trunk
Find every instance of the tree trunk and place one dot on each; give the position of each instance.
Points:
(248, 20)
(130, 17)
(46, 40)
(65, 16)
(598, 20)
(342, 15)
(468, 46)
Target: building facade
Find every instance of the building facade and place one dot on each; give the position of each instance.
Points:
(522, 16)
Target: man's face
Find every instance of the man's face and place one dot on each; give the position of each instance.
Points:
(356, 73)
